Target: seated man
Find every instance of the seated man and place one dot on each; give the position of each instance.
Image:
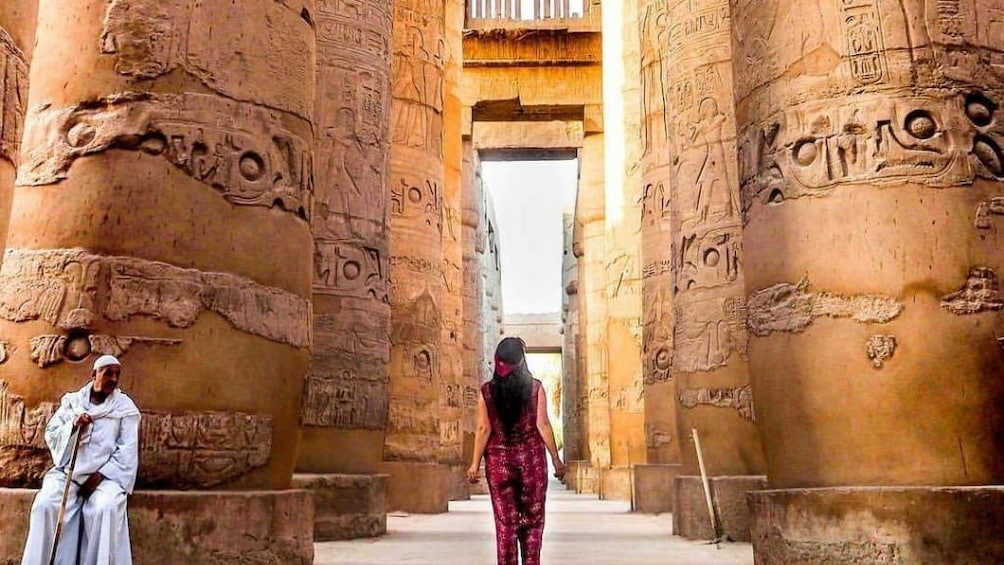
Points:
(103, 476)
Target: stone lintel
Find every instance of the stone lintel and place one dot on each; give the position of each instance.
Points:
(878, 525)
(346, 506)
(206, 527)
(728, 493)
(532, 48)
(513, 110)
(653, 488)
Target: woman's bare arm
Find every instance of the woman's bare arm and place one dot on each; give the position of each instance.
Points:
(547, 432)
(480, 440)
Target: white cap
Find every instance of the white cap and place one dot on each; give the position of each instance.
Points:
(104, 361)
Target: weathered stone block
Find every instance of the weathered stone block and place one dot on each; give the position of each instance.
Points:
(420, 488)
(959, 525)
(209, 528)
(615, 483)
(346, 506)
(690, 509)
(653, 488)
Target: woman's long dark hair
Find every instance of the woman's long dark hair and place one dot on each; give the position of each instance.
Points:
(511, 393)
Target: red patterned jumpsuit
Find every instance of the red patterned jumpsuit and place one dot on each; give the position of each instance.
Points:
(516, 471)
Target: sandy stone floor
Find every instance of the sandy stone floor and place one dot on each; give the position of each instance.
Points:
(581, 530)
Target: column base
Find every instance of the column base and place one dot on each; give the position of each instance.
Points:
(653, 488)
(879, 525)
(460, 487)
(586, 478)
(571, 475)
(690, 508)
(417, 488)
(346, 506)
(206, 527)
(615, 483)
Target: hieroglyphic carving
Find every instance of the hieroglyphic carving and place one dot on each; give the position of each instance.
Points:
(46, 350)
(864, 45)
(497, 47)
(201, 449)
(71, 288)
(419, 62)
(251, 62)
(413, 432)
(654, 81)
(13, 96)
(656, 437)
(178, 450)
(787, 307)
(709, 332)
(980, 294)
(417, 332)
(814, 148)
(992, 207)
(418, 200)
(880, 348)
(350, 268)
(740, 399)
(239, 150)
(629, 399)
(345, 401)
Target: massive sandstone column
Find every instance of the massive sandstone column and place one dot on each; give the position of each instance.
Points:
(452, 402)
(411, 449)
(870, 162)
(472, 212)
(709, 327)
(345, 397)
(590, 212)
(162, 216)
(17, 38)
(654, 483)
(571, 422)
(622, 218)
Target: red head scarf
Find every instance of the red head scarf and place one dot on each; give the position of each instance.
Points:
(505, 369)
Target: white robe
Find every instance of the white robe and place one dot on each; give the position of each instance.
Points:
(109, 446)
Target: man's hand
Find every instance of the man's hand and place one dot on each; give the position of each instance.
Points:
(91, 484)
(83, 421)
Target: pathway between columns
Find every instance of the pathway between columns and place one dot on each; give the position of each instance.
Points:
(581, 530)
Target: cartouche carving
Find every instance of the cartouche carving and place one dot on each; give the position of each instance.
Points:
(739, 399)
(980, 293)
(239, 150)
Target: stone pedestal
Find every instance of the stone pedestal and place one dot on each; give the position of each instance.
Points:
(959, 525)
(346, 506)
(212, 528)
(587, 478)
(615, 483)
(728, 494)
(418, 488)
(653, 488)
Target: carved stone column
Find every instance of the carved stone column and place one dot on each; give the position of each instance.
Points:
(622, 277)
(163, 216)
(661, 438)
(590, 212)
(870, 162)
(345, 397)
(709, 332)
(452, 402)
(572, 423)
(491, 268)
(417, 483)
(472, 212)
(17, 38)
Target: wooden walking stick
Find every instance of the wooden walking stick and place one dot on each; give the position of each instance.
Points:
(66, 494)
(707, 489)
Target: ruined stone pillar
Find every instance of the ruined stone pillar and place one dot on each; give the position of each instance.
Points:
(661, 438)
(590, 212)
(622, 218)
(345, 397)
(709, 332)
(472, 212)
(870, 163)
(163, 216)
(17, 38)
(411, 449)
(452, 401)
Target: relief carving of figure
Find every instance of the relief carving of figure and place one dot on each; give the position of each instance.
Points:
(715, 200)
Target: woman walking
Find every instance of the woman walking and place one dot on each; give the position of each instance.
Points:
(513, 431)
